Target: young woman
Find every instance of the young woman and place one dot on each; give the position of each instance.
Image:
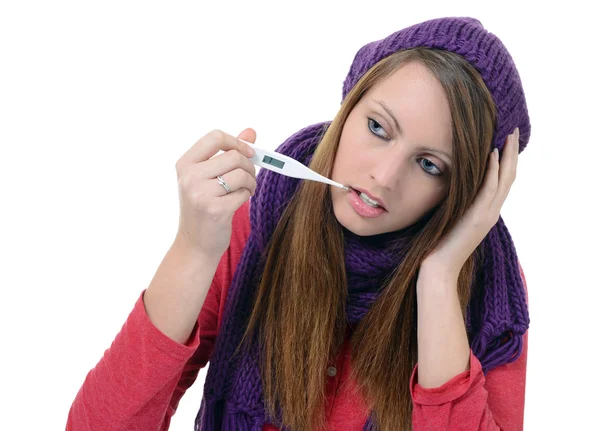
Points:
(399, 304)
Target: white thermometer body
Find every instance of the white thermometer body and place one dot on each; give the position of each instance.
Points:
(287, 166)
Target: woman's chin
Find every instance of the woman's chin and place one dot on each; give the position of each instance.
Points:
(354, 223)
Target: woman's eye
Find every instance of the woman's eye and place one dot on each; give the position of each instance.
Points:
(429, 167)
(377, 126)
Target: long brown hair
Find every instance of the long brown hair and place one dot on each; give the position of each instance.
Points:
(299, 310)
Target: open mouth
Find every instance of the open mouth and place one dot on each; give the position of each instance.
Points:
(367, 200)
(363, 206)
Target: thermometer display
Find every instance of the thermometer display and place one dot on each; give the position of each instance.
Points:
(273, 162)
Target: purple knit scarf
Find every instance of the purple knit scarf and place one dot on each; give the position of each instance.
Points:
(497, 315)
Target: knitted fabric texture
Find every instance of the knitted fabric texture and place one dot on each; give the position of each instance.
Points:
(497, 315)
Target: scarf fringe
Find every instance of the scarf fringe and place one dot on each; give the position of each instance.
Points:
(492, 354)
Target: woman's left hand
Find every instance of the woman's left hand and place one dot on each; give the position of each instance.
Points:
(454, 250)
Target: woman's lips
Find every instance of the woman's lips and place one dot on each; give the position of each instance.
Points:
(361, 208)
(370, 195)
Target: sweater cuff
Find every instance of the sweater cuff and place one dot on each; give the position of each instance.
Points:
(449, 391)
(160, 340)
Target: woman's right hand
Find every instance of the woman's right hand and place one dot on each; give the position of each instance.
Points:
(206, 209)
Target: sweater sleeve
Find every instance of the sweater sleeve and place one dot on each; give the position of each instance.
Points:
(472, 401)
(140, 379)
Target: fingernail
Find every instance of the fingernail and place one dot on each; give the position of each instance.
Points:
(250, 151)
(496, 154)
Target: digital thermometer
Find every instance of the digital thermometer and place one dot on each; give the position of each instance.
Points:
(287, 166)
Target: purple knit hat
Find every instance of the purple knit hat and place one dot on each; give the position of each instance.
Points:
(483, 50)
(497, 315)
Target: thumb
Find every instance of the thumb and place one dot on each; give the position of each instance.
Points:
(248, 135)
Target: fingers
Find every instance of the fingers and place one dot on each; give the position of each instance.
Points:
(236, 179)
(211, 144)
(489, 187)
(226, 162)
(248, 135)
(236, 198)
(507, 169)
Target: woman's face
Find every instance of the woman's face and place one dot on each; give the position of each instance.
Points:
(406, 170)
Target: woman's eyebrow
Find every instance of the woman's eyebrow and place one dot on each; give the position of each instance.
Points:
(399, 130)
(391, 114)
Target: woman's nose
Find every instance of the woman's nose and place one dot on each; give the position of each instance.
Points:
(388, 171)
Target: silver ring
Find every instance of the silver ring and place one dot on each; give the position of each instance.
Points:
(223, 183)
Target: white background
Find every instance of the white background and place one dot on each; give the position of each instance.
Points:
(98, 100)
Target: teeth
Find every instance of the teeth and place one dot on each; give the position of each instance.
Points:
(368, 201)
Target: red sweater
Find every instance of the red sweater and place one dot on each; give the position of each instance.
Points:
(138, 382)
